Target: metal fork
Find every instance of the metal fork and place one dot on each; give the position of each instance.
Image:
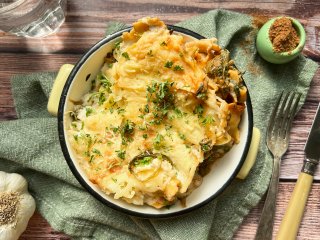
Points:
(277, 141)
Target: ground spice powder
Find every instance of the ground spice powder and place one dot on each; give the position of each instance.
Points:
(283, 35)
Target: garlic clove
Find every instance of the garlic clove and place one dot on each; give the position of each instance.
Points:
(24, 213)
(16, 183)
(17, 204)
(6, 233)
(3, 181)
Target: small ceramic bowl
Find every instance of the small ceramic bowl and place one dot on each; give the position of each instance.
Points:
(265, 48)
(73, 82)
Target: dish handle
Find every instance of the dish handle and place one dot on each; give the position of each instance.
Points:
(53, 105)
(59, 82)
(252, 154)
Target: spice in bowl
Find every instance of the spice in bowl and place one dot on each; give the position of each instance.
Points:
(280, 40)
(283, 35)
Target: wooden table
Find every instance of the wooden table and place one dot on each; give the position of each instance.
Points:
(85, 25)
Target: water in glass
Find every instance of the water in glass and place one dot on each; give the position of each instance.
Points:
(32, 18)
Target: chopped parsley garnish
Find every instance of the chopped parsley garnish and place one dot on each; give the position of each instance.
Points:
(155, 114)
(206, 145)
(102, 98)
(105, 82)
(89, 110)
(114, 180)
(155, 122)
(91, 158)
(177, 68)
(121, 154)
(163, 99)
(75, 137)
(115, 129)
(168, 64)
(178, 112)
(158, 141)
(151, 89)
(146, 108)
(164, 90)
(198, 110)
(128, 128)
(202, 96)
(143, 161)
(109, 143)
(96, 151)
(125, 55)
(182, 136)
(117, 45)
(207, 120)
(145, 136)
(87, 137)
(121, 110)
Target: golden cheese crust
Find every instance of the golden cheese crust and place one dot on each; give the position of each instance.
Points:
(161, 106)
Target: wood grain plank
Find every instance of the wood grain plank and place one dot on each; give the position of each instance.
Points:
(86, 22)
(310, 225)
(25, 63)
(293, 159)
(39, 228)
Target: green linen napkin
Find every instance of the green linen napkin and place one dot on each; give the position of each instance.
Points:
(29, 146)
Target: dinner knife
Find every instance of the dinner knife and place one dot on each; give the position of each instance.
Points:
(290, 223)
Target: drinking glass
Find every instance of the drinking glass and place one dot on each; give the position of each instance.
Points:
(32, 18)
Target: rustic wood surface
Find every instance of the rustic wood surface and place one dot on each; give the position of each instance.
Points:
(85, 25)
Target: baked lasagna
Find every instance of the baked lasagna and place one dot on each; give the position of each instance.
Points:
(162, 108)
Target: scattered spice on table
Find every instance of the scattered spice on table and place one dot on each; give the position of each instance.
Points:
(283, 35)
(247, 43)
(258, 20)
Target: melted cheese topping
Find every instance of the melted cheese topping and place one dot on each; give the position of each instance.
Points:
(159, 108)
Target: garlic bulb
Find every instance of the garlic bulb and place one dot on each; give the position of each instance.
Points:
(16, 205)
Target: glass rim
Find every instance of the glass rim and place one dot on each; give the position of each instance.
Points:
(11, 6)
